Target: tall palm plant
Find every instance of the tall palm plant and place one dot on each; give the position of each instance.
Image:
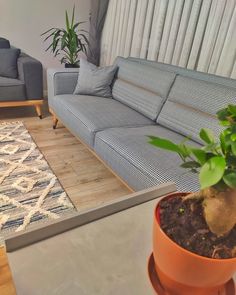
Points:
(69, 42)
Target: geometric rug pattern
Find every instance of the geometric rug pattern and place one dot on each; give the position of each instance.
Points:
(30, 193)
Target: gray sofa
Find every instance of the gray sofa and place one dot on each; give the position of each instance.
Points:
(26, 88)
(148, 98)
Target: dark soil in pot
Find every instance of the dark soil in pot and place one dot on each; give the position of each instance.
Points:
(184, 223)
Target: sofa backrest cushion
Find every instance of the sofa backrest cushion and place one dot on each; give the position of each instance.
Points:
(186, 72)
(4, 43)
(142, 87)
(192, 104)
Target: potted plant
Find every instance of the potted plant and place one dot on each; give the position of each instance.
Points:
(194, 234)
(69, 42)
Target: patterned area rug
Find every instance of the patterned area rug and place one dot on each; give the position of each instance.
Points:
(29, 191)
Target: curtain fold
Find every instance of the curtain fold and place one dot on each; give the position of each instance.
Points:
(166, 30)
(212, 30)
(224, 26)
(196, 34)
(174, 31)
(157, 29)
(123, 25)
(199, 33)
(182, 31)
(97, 19)
(190, 33)
(139, 28)
(228, 54)
(147, 29)
(130, 27)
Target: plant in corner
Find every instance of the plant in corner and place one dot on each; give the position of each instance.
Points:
(194, 234)
(69, 42)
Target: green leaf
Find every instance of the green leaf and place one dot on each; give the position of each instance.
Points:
(223, 114)
(44, 33)
(67, 22)
(200, 155)
(63, 41)
(233, 147)
(77, 24)
(207, 135)
(85, 38)
(232, 109)
(164, 144)
(233, 128)
(84, 49)
(212, 171)
(190, 164)
(57, 52)
(73, 16)
(233, 137)
(212, 147)
(50, 35)
(225, 123)
(230, 179)
(185, 150)
(55, 43)
(49, 47)
(228, 137)
(223, 143)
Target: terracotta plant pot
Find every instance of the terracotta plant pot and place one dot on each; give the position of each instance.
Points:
(182, 272)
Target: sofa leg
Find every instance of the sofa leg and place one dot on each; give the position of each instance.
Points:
(38, 110)
(55, 121)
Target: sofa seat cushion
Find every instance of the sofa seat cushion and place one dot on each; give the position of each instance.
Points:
(11, 89)
(192, 104)
(141, 87)
(141, 165)
(85, 115)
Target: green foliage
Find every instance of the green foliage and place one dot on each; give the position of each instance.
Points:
(212, 171)
(207, 135)
(165, 144)
(216, 160)
(67, 42)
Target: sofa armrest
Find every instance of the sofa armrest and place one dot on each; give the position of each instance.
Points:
(30, 71)
(61, 81)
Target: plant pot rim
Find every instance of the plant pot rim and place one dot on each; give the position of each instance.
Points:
(157, 219)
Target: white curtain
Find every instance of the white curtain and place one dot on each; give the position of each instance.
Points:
(196, 34)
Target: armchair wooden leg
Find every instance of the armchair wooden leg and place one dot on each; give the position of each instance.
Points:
(55, 121)
(38, 110)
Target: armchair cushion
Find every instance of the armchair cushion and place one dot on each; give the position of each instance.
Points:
(11, 89)
(8, 62)
(4, 43)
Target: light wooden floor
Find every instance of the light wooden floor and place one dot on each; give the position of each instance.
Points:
(6, 283)
(85, 179)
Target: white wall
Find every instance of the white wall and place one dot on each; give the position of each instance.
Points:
(22, 22)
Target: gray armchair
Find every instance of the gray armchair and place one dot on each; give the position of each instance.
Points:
(26, 87)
